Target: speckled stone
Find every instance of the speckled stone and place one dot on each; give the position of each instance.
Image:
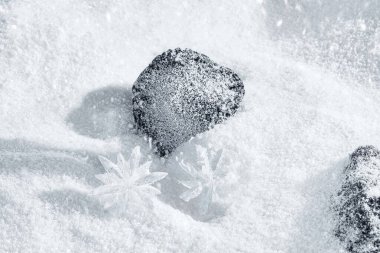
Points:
(183, 93)
(358, 202)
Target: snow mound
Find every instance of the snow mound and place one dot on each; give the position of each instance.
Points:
(66, 75)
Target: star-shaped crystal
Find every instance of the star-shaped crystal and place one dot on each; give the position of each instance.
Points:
(126, 179)
(201, 183)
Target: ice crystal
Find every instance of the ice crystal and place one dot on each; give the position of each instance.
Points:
(201, 183)
(126, 179)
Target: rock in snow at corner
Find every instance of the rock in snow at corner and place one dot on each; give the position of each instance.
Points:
(183, 93)
(358, 205)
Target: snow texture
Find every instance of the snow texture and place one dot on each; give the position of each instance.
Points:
(66, 75)
(183, 93)
(358, 202)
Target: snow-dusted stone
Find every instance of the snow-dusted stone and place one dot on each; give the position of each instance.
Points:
(183, 93)
(358, 202)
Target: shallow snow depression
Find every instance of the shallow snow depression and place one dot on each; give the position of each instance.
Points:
(66, 72)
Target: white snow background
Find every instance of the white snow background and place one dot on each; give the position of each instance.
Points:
(311, 74)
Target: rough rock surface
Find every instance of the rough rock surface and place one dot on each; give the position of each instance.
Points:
(183, 93)
(358, 202)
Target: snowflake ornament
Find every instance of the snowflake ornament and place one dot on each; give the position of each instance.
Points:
(126, 179)
(202, 181)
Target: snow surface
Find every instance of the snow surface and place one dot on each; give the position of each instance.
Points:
(66, 71)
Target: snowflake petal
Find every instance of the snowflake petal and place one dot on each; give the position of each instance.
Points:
(122, 164)
(151, 178)
(150, 190)
(192, 193)
(216, 159)
(189, 184)
(143, 169)
(134, 160)
(189, 169)
(206, 200)
(206, 170)
(109, 166)
(202, 153)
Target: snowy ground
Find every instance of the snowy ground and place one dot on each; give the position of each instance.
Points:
(66, 72)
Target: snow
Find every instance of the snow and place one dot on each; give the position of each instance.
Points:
(66, 69)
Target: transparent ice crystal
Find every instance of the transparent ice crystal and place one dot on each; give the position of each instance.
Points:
(126, 180)
(201, 182)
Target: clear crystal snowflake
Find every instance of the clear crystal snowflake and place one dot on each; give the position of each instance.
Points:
(201, 183)
(126, 180)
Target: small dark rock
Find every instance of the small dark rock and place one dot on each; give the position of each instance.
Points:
(183, 93)
(358, 202)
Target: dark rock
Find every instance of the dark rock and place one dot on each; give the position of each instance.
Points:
(183, 93)
(358, 202)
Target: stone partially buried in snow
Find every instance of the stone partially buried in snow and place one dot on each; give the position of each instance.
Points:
(183, 93)
(358, 202)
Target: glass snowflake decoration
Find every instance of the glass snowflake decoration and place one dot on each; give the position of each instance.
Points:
(201, 183)
(126, 180)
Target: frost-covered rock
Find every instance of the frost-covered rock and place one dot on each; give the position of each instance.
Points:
(183, 93)
(358, 202)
